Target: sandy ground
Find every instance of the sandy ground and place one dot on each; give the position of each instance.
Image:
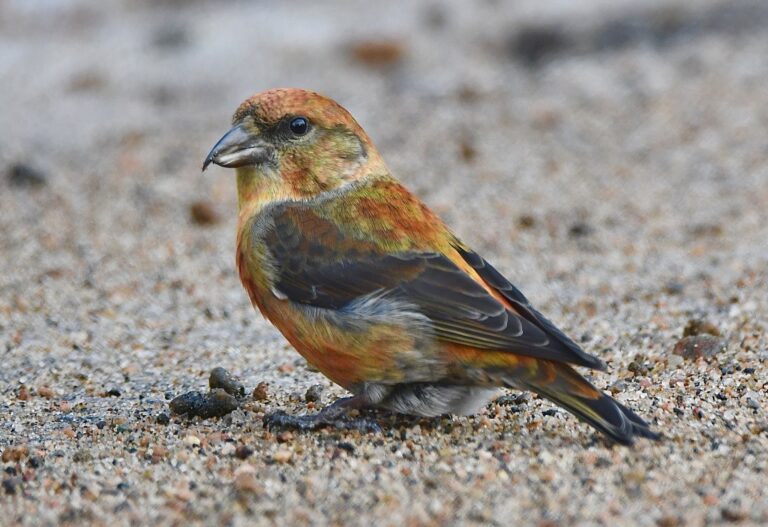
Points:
(613, 162)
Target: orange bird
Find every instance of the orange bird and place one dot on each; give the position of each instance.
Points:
(373, 289)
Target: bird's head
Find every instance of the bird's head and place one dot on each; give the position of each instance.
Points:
(298, 139)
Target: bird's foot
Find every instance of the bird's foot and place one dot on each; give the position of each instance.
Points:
(333, 415)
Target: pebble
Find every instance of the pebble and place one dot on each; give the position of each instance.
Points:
(700, 327)
(46, 392)
(282, 456)
(377, 53)
(23, 175)
(243, 452)
(191, 440)
(314, 393)
(216, 403)
(11, 485)
(699, 346)
(14, 453)
(261, 393)
(203, 213)
(221, 378)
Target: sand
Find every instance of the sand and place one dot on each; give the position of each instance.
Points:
(611, 160)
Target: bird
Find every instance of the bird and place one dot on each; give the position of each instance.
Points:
(373, 289)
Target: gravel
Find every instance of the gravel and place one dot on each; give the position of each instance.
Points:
(609, 158)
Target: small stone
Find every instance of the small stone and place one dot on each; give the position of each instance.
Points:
(45, 391)
(752, 399)
(732, 514)
(247, 483)
(699, 346)
(158, 454)
(23, 393)
(617, 387)
(243, 452)
(203, 213)
(673, 288)
(377, 53)
(526, 221)
(112, 392)
(285, 436)
(700, 327)
(580, 229)
(15, 453)
(221, 378)
(36, 461)
(82, 456)
(22, 175)
(191, 440)
(216, 403)
(260, 393)
(282, 456)
(669, 521)
(532, 44)
(349, 448)
(467, 150)
(314, 393)
(11, 485)
(163, 418)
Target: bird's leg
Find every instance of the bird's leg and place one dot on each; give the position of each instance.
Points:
(335, 415)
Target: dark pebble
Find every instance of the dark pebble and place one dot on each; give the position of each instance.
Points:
(35, 462)
(113, 392)
(532, 45)
(11, 485)
(526, 221)
(550, 412)
(699, 346)
(82, 456)
(101, 424)
(314, 393)
(21, 175)
(749, 370)
(580, 229)
(243, 452)
(348, 447)
(673, 288)
(512, 400)
(216, 403)
(700, 327)
(163, 418)
(221, 378)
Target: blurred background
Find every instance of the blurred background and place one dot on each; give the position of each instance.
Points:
(609, 156)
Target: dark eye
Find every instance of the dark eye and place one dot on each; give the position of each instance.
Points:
(299, 125)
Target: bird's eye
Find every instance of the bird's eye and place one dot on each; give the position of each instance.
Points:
(299, 125)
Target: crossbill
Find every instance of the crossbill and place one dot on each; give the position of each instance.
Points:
(373, 289)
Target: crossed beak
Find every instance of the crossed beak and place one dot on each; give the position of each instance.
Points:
(238, 148)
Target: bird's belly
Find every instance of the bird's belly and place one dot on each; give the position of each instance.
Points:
(351, 352)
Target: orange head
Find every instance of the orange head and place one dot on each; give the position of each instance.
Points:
(305, 139)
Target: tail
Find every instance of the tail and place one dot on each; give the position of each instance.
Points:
(562, 385)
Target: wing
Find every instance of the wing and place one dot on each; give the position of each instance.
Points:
(321, 262)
